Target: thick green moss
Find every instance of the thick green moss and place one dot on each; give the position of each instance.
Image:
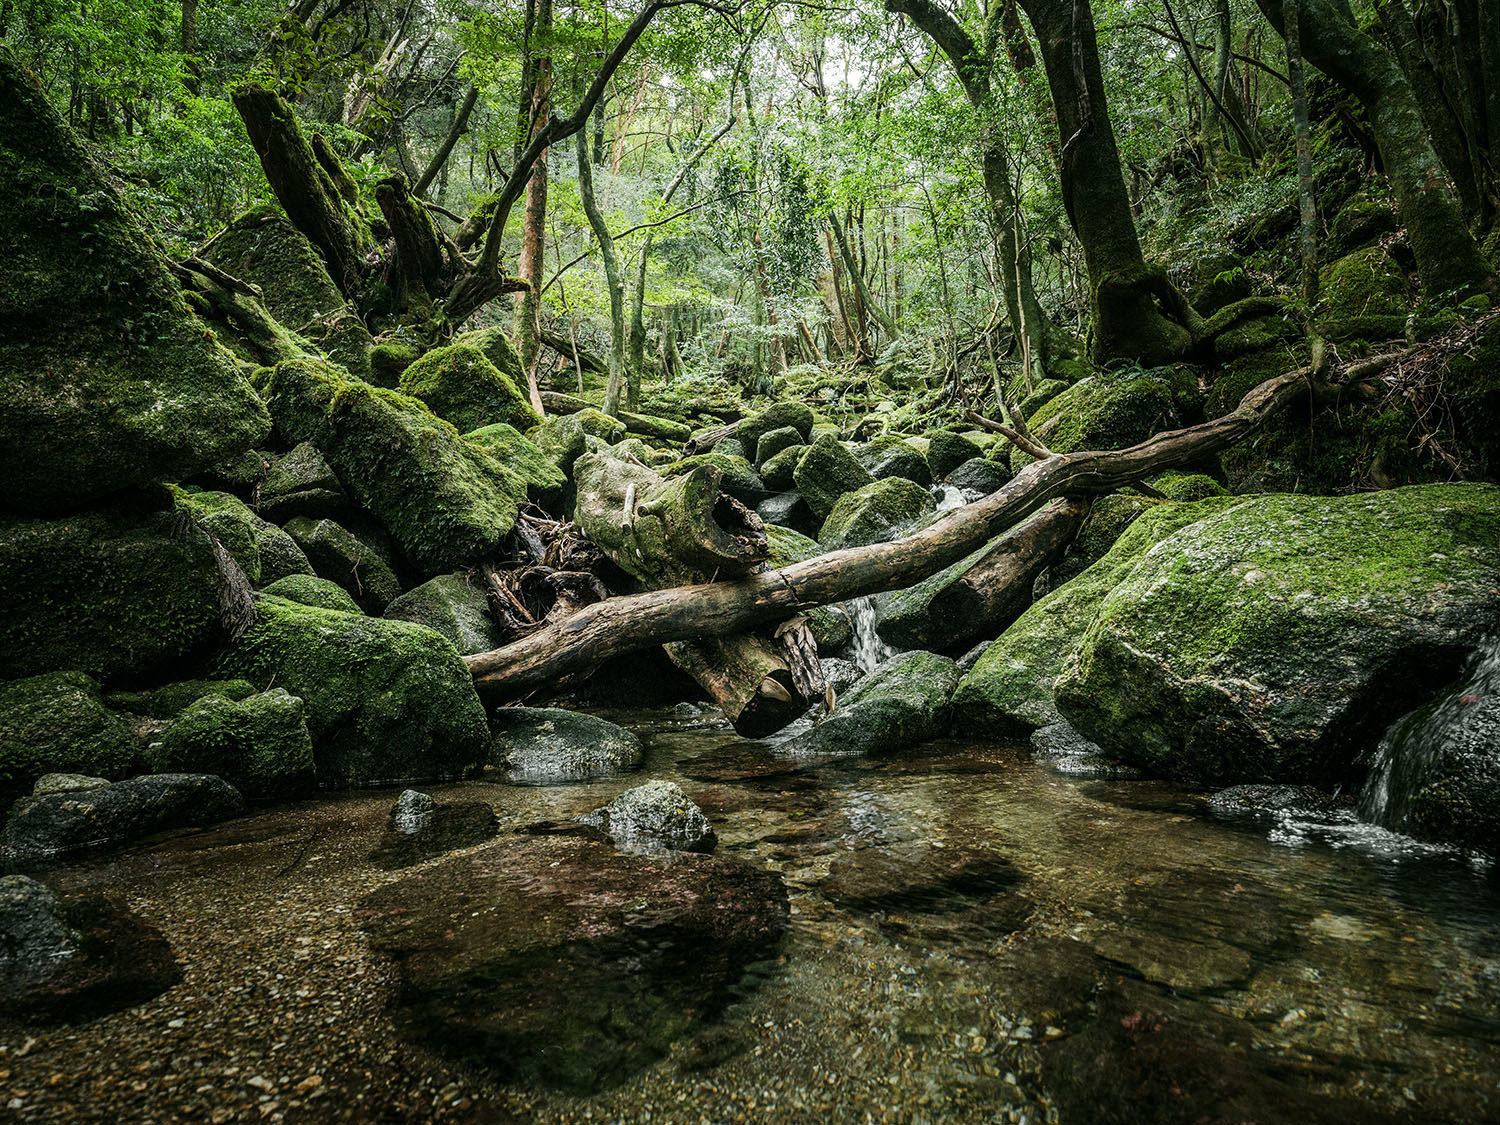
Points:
(129, 591)
(779, 470)
(308, 589)
(946, 451)
(498, 349)
(902, 703)
(461, 386)
(562, 436)
(340, 556)
(389, 360)
(451, 605)
(302, 484)
(260, 745)
(1187, 487)
(1111, 410)
(1269, 642)
(167, 701)
(876, 511)
(1009, 689)
(262, 247)
(387, 701)
(57, 724)
(773, 442)
(737, 476)
(1362, 284)
(826, 471)
(778, 415)
(889, 455)
(517, 452)
(107, 380)
(445, 502)
(230, 521)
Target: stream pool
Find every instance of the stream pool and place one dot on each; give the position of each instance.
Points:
(973, 938)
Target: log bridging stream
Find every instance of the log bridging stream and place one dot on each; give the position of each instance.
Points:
(581, 642)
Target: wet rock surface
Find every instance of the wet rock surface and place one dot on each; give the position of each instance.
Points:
(551, 746)
(654, 817)
(564, 963)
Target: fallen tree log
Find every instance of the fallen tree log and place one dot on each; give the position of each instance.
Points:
(714, 609)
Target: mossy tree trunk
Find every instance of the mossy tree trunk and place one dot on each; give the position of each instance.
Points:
(1448, 261)
(534, 231)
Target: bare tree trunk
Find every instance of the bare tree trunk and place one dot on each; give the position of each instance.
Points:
(1307, 230)
(612, 279)
(534, 233)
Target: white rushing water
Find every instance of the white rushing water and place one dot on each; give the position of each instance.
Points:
(869, 649)
(1417, 744)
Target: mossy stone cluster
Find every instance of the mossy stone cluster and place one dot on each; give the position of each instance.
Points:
(518, 453)
(563, 437)
(453, 606)
(1272, 640)
(108, 381)
(133, 590)
(825, 472)
(169, 700)
(264, 551)
(340, 556)
(57, 723)
(387, 701)
(301, 483)
(890, 455)
(875, 512)
(260, 744)
(737, 476)
(947, 450)
(777, 416)
(460, 385)
(309, 589)
(446, 502)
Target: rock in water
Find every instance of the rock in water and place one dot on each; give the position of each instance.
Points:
(1275, 640)
(561, 962)
(900, 704)
(74, 822)
(387, 701)
(75, 958)
(656, 816)
(108, 381)
(550, 746)
(412, 812)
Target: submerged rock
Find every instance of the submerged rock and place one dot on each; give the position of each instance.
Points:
(74, 822)
(552, 746)
(559, 962)
(656, 816)
(1275, 640)
(901, 704)
(412, 812)
(108, 381)
(387, 701)
(71, 959)
(918, 878)
(55, 724)
(420, 828)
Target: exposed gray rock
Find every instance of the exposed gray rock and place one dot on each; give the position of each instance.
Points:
(66, 783)
(653, 817)
(412, 812)
(551, 746)
(902, 703)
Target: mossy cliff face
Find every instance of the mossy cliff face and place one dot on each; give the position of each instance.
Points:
(459, 384)
(1009, 690)
(446, 502)
(1271, 641)
(129, 591)
(107, 380)
(387, 701)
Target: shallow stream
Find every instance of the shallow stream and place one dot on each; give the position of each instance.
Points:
(974, 938)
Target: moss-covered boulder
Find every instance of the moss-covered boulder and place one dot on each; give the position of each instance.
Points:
(445, 502)
(891, 456)
(552, 746)
(265, 249)
(513, 449)
(387, 701)
(947, 450)
(461, 386)
(1360, 223)
(498, 348)
(264, 551)
(302, 484)
(826, 471)
(1365, 283)
(1107, 520)
(1042, 393)
(451, 605)
(131, 590)
(1008, 692)
(389, 360)
(57, 723)
(563, 437)
(107, 380)
(1271, 641)
(260, 745)
(773, 442)
(737, 476)
(169, 700)
(778, 415)
(901, 704)
(979, 476)
(309, 589)
(340, 556)
(1114, 409)
(877, 511)
(778, 471)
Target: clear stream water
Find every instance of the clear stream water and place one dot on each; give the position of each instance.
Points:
(974, 938)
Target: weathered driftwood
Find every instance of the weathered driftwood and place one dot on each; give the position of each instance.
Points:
(682, 530)
(721, 608)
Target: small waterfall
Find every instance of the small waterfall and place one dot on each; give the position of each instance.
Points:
(869, 649)
(1418, 743)
(949, 498)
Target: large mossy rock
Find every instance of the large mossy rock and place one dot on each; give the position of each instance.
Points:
(387, 701)
(309, 589)
(563, 438)
(455, 607)
(777, 416)
(107, 381)
(265, 249)
(825, 472)
(302, 484)
(1274, 640)
(499, 349)
(260, 745)
(57, 723)
(902, 703)
(459, 384)
(737, 477)
(340, 556)
(551, 746)
(1114, 410)
(1365, 283)
(517, 452)
(875, 512)
(1008, 692)
(563, 963)
(946, 451)
(891, 456)
(132, 590)
(446, 502)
